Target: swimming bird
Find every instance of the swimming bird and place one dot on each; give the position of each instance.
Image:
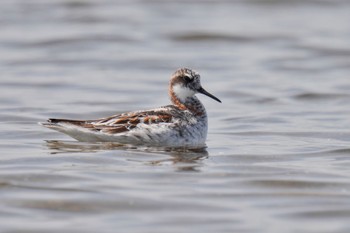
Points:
(184, 123)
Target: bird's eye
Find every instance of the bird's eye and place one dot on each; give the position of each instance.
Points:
(187, 79)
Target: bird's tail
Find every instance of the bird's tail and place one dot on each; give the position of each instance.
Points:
(78, 129)
(53, 122)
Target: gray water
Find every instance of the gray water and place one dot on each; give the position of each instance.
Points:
(278, 152)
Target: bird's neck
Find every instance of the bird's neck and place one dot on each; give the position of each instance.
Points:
(191, 104)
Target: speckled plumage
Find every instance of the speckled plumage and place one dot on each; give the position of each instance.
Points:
(184, 123)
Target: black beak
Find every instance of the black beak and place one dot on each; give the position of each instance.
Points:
(204, 92)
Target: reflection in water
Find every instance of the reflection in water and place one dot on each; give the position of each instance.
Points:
(178, 155)
(58, 147)
(187, 157)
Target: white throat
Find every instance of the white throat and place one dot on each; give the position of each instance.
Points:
(183, 92)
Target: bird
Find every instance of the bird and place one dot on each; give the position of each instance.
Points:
(183, 123)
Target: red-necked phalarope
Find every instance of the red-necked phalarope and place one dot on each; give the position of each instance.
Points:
(184, 123)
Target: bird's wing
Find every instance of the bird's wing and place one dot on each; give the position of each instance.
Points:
(120, 123)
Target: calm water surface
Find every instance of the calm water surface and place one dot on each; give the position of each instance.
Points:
(278, 155)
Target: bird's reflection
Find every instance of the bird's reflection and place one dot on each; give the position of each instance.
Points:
(59, 147)
(187, 157)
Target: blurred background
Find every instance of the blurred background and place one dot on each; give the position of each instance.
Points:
(278, 146)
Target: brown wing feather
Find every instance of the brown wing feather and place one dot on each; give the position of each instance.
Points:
(126, 122)
(115, 129)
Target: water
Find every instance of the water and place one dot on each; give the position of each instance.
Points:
(278, 155)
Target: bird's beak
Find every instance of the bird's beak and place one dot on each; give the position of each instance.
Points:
(204, 92)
